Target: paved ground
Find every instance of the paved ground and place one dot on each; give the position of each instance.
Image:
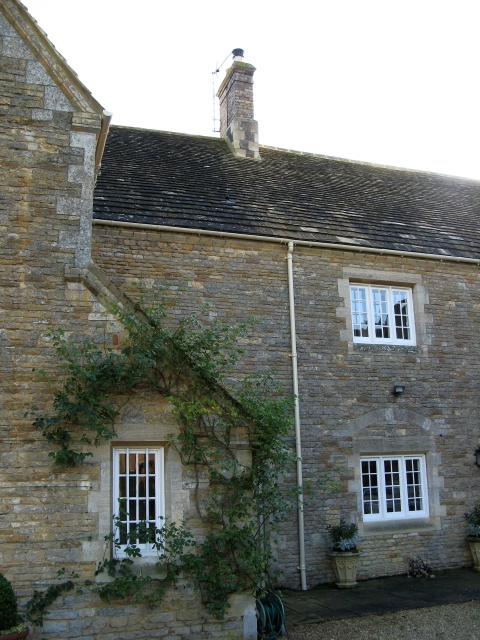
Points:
(378, 596)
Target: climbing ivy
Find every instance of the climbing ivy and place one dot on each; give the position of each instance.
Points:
(193, 361)
(170, 543)
(37, 606)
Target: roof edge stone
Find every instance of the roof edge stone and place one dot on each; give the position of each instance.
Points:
(53, 62)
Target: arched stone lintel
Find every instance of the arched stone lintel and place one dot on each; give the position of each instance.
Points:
(392, 416)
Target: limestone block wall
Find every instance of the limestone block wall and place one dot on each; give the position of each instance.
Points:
(53, 518)
(180, 617)
(347, 408)
(46, 182)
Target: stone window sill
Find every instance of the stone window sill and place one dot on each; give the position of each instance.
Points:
(414, 525)
(385, 348)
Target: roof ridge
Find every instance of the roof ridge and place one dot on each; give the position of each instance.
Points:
(366, 163)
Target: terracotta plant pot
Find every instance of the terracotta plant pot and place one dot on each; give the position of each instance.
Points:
(15, 635)
(345, 564)
(474, 544)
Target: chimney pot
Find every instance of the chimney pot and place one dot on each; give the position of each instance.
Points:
(238, 55)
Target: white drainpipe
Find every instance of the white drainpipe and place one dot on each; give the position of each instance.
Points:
(298, 438)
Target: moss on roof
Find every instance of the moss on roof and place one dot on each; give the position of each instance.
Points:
(165, 178)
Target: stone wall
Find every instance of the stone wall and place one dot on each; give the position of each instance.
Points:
(180, 617)
(46, 182)
(347, 407)
(54, 518)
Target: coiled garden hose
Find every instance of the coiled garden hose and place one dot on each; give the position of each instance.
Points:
(270, 616)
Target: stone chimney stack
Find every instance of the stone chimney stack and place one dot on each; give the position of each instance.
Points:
(237, 125)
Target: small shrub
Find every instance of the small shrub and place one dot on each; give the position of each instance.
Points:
(473, 521)
(419, 568)
(8, 605)
(343, 536)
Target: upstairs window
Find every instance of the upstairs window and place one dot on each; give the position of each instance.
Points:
(138, 494)
(382, 315)
(394, 487)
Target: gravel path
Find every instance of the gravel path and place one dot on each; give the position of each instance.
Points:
(457, 621)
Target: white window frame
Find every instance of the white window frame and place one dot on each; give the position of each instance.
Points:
(408, 489)
(368, 312)
(131, 473)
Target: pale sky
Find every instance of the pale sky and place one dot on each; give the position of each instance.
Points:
(385, 81)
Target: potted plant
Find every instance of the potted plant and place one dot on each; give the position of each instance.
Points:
(473, 538)
(345, 555)
(11, 625)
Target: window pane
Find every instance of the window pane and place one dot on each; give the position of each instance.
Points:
(122, 508)
(151, 486)
(133, 532)
(393, 501)
(371, 503)
(400, 310)
(132, 486)
(132, 509)
(358, 298)
(151, 463)
(132, 463)
(414, 484)
(151, 510)
(380, 313)
(151, 531)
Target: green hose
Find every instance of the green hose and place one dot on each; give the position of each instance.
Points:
(270, 616)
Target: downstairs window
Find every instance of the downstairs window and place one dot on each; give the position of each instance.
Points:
(138, 494)
(394, 487)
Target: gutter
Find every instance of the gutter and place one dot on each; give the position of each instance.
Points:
(102, 139)
(300, 243)
(298, 437)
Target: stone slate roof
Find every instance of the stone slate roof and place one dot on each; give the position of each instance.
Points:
(180, 180)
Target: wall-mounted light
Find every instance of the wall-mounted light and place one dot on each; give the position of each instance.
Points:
(398, 389)
(477, 457)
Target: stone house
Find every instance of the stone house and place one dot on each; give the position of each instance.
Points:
(363, 281)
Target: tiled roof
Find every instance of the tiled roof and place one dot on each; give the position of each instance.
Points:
(180, 180)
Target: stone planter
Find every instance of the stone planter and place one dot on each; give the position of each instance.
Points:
(474, 544)
(15, 635)
(345, 564)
